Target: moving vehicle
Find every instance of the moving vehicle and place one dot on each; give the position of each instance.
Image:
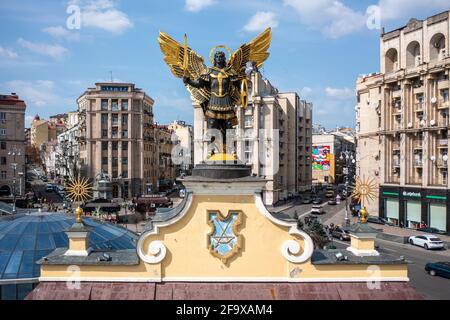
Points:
(426, 241)
(317, 200)
(431, 230)
(438, 269)
(379, 220)
(307, 200)
(332, 202)
(340, 233)
(51, 188)
(330, 194)
(317, 209)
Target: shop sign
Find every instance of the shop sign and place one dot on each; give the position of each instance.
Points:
(411, 194)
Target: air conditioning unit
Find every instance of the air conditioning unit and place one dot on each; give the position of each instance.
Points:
(422, 123)
(434, 100)
(410, 125)
(432, 123)
(433, 158)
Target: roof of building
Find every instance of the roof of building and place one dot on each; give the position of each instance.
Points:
(26, 238)
(225, 291)
(324, 257)
(12, 99)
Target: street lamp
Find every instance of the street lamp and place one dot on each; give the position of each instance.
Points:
(348, 156)
(13, 153)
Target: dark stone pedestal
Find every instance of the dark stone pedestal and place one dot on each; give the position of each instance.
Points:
(221, 170)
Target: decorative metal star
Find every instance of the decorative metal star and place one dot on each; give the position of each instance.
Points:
(365, 190)
(79, 189)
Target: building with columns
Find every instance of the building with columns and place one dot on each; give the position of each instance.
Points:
(402, 124)
(274, 136)
(12, 144)
(117, 137)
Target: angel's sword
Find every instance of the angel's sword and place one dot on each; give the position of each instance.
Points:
(185, 56)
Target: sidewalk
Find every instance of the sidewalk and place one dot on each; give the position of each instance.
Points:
(281, 208)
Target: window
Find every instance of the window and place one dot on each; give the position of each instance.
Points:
(125, 161)
(115, 134)
(2, 132)
(3, 145)
(104, 118)
(248, 121)
(2, 115)
(124, 119)
(115, 145)
(115, 119)
(104, 133)
(115, 105)
(125, 134)
(105, 161)
(124, 145)
(3, 161)
(115, 162)
(3, 175)
(124, 105)
(125, 175)
(104, 145)
(104, 105)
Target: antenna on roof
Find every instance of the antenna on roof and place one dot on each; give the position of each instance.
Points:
(112, 80)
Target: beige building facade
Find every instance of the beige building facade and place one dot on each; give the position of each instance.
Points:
(183, 139)
(403, 121)
(12, 144)
(274, 136)
(117, 137)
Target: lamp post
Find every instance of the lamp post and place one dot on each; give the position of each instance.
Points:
(348, 156)
(13, 153)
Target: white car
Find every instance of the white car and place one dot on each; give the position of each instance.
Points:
(426, 241)
(317, 209)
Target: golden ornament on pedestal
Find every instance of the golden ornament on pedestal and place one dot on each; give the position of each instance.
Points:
(365, 191)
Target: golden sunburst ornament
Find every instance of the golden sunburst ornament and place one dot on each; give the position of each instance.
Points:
(365, 190)
(79, 189)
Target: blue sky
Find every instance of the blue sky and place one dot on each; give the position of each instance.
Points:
(318, 49)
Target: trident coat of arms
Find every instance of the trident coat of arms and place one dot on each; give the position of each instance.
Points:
(224, 241)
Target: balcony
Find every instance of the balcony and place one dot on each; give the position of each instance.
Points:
(442, 104)
(418, 163)
(415, 180)
(441, 164)
(393, 179)
(418, 145)
(395, 148)
(442, 144)
(396, 163)
(419, 107)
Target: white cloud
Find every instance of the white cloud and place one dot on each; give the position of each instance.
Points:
(197, 5)
(28, 121)
(6, 53)
(395, 9)
(103, 14)
(338, 93)
(54, 51)
(61, 32)
(332, 17)
(40, 93)
(260, 21)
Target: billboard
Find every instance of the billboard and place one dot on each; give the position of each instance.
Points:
(321, 158)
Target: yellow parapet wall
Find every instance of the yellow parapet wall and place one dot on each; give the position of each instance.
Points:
(266, 251)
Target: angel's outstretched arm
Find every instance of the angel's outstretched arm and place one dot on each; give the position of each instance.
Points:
(199, 83)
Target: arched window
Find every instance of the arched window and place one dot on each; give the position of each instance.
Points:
(413, 58)
(391, 60)
(437, 47)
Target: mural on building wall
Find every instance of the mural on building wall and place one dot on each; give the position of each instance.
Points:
(321, 158)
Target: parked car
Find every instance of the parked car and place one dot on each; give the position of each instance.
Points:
(431, 230)
(332, 202)
(426, 241)
(317, 200)
(379, 220)
(438, 269)
(340, 233)
(51, 188)
(330, 194)
(307, 200)
(317, 209)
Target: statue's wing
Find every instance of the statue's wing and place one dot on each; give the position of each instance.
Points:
(174, 57)
(256, 51)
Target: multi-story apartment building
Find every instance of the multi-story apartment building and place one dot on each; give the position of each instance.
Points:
(327, 150)
(43, 131)
(117, 137)
(183, 139)
(12, 144)
(403, 121)
(166, 168)
(67, 154)
(274, 136)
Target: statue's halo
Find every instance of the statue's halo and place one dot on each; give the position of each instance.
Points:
(213, 51)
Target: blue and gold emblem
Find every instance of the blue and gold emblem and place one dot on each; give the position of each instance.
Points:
(224, 241)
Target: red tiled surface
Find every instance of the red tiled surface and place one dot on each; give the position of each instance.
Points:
(224, 291)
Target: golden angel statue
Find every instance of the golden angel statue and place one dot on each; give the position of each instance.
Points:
(218, 89)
